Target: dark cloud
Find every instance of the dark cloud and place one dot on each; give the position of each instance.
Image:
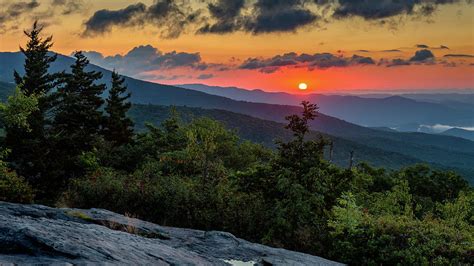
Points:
(381, 9)
(443, 47)
(391, 51)
(19, 8)
(147, 58)
(272, 64)
(459, 55)
(262, 16)
(422, 46)
(226, 14)
(254, 16)
(169, 15)
(361, 60)
(11, 12)
(363, 51)
(279, 16)
(205, 76)
(372, 9)
(270, 13)
(172, 16)
(398, 62)
(311, 61)
(58, 2)
(253, 63)
(327, 60)
(103, 20)
(422, 56)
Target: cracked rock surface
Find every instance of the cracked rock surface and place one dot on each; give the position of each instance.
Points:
(36, 234)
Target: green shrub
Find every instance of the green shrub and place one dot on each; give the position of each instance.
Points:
(14, 188)
(362, 236)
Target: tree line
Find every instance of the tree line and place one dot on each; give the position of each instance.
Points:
(69, 118)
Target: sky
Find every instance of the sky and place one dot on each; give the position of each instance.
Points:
(332, 45)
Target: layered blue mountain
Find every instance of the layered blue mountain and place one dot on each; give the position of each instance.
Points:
(397, 112)
(381, 147)
(459, 132)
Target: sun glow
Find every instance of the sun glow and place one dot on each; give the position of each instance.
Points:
(303, 86)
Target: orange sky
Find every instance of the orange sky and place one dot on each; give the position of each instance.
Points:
(450, 25)
(353, 79)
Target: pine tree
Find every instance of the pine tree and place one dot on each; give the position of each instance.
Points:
(79, 117)
(118, 127)
(37, 61)
(78, 122)
(28, 147)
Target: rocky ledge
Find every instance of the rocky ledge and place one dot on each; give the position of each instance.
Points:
(36, 234)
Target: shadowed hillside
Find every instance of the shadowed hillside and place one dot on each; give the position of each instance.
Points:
(267, 132)
(446, 151)
(458, 132)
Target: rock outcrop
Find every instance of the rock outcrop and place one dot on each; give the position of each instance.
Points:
(35, 234)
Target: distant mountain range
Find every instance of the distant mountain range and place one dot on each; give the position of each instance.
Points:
(387, 150)
(401, 113)
(374, 145)
(458, 132)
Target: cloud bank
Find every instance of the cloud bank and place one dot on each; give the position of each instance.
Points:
(149, 62)
(174, 17)
(147, 58)
(169, 15)
(309, 61)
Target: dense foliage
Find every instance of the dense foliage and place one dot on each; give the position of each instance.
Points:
(199, 174)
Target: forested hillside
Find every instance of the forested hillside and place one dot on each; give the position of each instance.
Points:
(445, 151)
(268, 132)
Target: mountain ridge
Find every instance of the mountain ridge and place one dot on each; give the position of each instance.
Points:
(390, 111)
(443, 150)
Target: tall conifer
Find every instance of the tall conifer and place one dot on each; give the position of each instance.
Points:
(118, 127)
(79, 117)
(28, 147)
(78, 120)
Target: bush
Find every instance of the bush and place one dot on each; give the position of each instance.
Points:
(14, 188)
(393, 235)
(393, 240)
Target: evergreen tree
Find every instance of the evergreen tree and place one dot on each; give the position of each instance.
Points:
(118, 127)
(29, 146)
(37, 61)
(79, 118)
(299, 153)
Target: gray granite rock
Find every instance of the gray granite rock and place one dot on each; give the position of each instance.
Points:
(35, 234)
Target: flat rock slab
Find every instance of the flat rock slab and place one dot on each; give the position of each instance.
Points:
(36, 234)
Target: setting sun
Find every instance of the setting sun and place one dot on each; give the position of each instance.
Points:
(302, 86)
